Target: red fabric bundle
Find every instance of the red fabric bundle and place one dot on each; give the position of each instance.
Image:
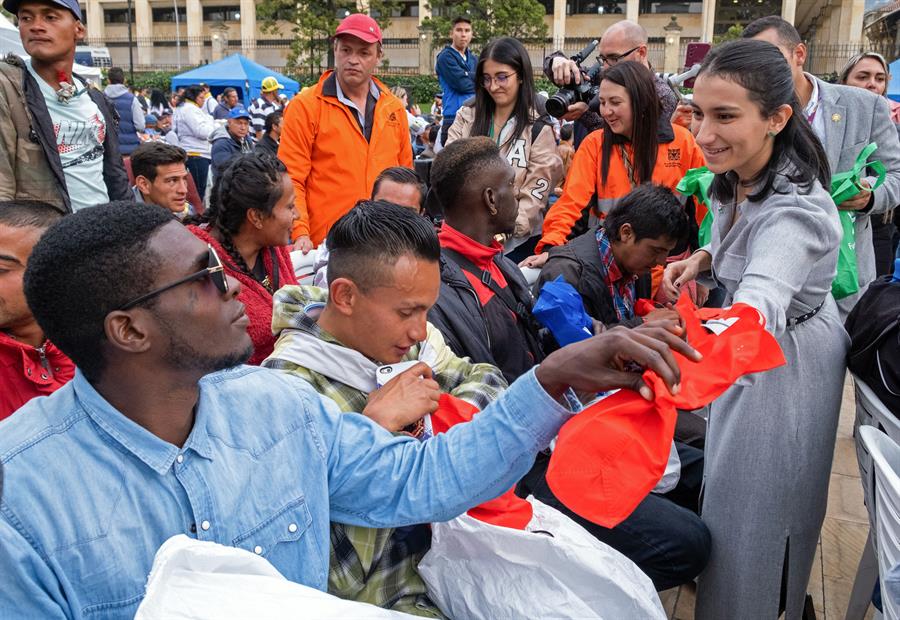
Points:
(611, 455)
(508, 510)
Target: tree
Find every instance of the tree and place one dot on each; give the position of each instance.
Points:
(312, 23)
(522, 19)
(732, 34)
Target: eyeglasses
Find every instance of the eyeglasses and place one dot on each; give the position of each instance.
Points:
(215, 271)
(614, 58)
(502, 79)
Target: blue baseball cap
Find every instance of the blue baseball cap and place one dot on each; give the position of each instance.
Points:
(238, 111)
(13, 6)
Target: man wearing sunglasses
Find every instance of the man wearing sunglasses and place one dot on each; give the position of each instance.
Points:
(624, 40)
(162, 431)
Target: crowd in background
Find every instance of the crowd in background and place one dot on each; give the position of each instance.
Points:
(149, 239)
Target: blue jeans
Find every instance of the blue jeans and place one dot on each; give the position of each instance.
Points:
(664, 535)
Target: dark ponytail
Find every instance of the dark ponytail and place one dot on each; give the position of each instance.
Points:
(190, 94)
(761, 69)
(250, 181)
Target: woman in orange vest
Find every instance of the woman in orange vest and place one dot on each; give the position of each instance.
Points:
(633, 147)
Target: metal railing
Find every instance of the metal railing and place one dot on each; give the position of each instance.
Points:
(828, 59)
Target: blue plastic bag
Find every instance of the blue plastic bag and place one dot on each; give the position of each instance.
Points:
(560, 309)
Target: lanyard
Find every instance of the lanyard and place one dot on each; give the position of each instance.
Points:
(628, 165)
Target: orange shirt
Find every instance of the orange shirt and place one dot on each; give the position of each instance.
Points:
(673, 160)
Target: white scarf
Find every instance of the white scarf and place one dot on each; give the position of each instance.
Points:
(337, 362)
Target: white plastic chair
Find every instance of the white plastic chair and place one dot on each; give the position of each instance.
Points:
(885, 455)
(870, 411)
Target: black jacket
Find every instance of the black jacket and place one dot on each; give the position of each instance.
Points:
(874, 328)
(267, 145)
(459, 316)
(578, 262)
(114, 175)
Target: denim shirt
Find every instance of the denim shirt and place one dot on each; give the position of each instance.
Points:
(89, 495)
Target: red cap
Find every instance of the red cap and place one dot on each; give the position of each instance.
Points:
(360, 26)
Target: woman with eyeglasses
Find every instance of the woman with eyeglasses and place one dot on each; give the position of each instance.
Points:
(634, 146)
(869, 70)
(248, 224)
(506, 110)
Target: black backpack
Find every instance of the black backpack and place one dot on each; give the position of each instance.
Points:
(874, 328)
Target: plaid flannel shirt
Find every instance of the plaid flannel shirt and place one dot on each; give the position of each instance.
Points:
(375, 565)
(621, 288)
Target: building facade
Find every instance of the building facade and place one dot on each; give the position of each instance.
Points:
(168, 34)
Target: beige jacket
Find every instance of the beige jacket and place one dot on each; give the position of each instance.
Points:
(537, 164)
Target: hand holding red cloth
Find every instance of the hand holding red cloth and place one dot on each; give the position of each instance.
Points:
(611, 455)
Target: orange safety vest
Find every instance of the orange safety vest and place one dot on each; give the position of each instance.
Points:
(673, 160)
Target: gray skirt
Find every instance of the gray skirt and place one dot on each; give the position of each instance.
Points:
(769, 449)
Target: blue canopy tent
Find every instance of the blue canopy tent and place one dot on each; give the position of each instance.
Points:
(238, 72)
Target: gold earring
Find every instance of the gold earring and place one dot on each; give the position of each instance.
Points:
(772, 134)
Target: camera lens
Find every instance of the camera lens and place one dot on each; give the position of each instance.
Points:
(558, 104)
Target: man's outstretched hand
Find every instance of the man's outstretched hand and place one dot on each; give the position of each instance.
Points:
(600, 363)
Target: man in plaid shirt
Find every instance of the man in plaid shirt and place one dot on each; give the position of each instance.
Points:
(383, 277)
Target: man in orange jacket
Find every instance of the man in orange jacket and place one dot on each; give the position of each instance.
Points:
(340, 134)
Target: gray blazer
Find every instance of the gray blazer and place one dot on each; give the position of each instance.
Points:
(854, 117)
(777, 255)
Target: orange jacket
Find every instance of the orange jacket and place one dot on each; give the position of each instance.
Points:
(673, 159)
(327, 156)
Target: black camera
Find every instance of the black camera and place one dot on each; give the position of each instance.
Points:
(558, 104)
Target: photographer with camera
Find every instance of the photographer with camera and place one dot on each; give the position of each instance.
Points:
(624, 40)
(505, 110)
(637, 145)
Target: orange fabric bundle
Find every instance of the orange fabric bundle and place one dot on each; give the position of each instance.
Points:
(508, 510)
(611, 455)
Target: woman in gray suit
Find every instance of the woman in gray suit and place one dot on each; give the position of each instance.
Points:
(774, 247)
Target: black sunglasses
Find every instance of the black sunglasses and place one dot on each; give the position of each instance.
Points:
(215, 270)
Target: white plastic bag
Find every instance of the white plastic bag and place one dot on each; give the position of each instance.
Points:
(196, 580)
(553, 569)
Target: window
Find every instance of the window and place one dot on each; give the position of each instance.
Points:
(405, 8)
(595, 7)
(167, 15)
(731, 12)
(221, 13)
(115, 16)
(671, 6)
